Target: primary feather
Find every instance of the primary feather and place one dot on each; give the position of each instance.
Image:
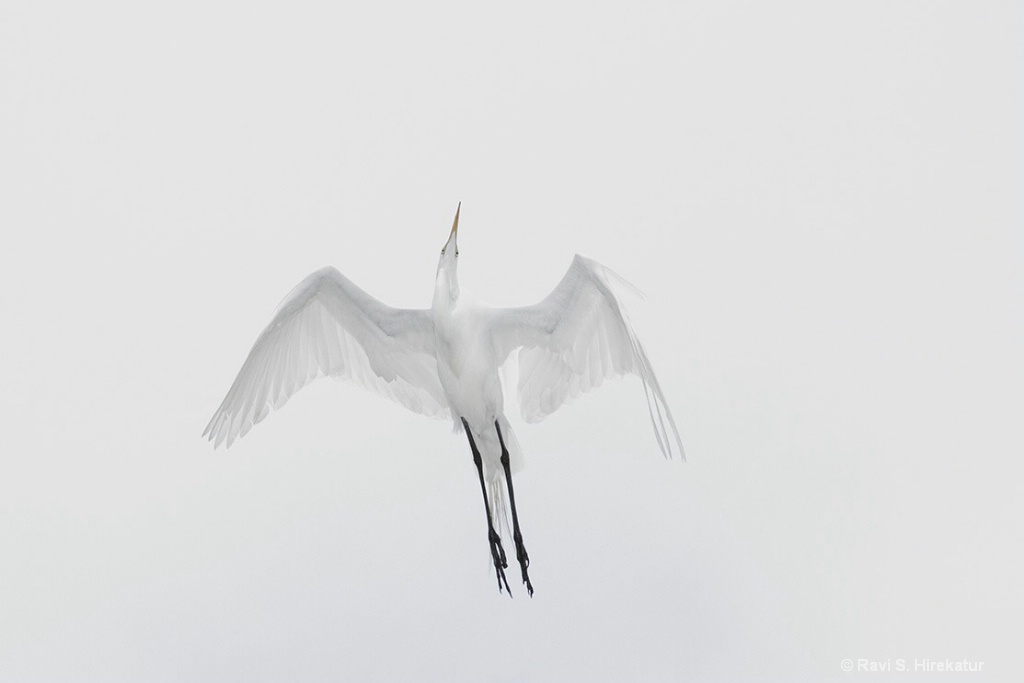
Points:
(329, 326)
(573, 340)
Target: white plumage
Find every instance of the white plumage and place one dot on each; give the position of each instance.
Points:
(329, 326)
(444, 362)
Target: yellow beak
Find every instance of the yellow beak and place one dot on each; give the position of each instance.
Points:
(455, 225)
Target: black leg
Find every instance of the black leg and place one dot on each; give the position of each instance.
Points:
(524, 559)
(497, 552)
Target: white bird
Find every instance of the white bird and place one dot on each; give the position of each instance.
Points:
(444, 362)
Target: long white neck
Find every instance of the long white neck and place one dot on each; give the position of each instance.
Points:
(446, 289)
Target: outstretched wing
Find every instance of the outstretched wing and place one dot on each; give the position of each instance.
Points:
(572, 341)
(329, 326)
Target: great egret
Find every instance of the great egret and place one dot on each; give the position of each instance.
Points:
(444, 362)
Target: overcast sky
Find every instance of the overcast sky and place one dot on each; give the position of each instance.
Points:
(821, 202)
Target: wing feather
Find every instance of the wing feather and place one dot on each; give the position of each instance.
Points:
(573, 340)
(328, 326)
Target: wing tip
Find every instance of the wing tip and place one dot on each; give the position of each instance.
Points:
(682, 451)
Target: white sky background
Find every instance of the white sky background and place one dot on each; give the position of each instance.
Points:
(822, 203)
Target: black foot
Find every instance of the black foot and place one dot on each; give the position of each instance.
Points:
(524, 562)
(500, 563)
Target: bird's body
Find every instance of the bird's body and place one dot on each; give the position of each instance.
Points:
(466, 365)
(445, 362)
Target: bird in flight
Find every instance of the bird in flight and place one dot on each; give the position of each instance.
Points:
(444, 362)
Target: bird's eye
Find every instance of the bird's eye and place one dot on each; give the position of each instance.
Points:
(456, 252)
(442, 252)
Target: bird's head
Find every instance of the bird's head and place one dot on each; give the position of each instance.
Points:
(449, 261)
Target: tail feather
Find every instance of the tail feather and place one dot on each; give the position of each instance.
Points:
(497, 494)
(494, 473)
(498, 490)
